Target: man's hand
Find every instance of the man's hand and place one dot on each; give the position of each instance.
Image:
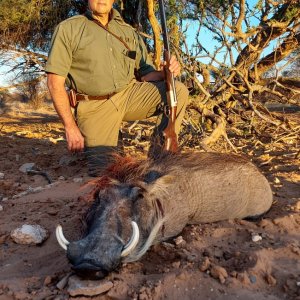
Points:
(174, 66)
(56, 85)
(74, 138)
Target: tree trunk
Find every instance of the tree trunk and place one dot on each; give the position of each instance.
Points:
(156, 32)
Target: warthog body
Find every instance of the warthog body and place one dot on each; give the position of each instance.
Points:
(162, 197)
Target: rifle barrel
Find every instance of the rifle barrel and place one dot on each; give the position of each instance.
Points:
(171, 143)
(164, 26)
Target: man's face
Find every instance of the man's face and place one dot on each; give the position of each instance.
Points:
(101, 7)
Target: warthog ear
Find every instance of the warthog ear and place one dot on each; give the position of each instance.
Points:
(167, 179)
(161, 183)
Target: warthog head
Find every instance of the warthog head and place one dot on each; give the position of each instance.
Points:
(113, 234)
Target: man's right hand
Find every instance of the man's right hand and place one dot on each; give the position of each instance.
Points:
(75, 139)
(56, 85)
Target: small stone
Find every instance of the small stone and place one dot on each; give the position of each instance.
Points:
(243, 278)
(63, 282)
(256, 238)
(78, 287)
(26, 167)
(233, 274)
(53, 211)
(77, 180)
(270, 280)
(218, 272)
(205, 264)
(276, 180)
(29, 234)
(36, 189)
(264, 223)
(54, 141)
(20, 195)
(3, 238)
(1, 208)
(297, 206)
(179, 240)
(61, 178)
(252, 278)
(67, 160)
(168, 246)
(47, 280)
(51, 185)
(237, 253)
(2, 175)
(176, 264)
(181, 276)
(191, 258)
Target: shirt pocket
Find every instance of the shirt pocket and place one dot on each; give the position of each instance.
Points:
(129, 64)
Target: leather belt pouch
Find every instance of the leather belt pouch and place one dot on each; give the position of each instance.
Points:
(72, 98)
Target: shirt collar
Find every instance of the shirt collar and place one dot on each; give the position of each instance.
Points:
(114, 15)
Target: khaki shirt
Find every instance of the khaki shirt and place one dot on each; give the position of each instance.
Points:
(96, 60)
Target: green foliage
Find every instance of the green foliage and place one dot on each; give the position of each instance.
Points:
(29, 23)
(14, 14)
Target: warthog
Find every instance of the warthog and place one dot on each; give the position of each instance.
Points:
(154, 200)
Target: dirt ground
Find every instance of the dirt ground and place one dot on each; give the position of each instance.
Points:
(207, 261)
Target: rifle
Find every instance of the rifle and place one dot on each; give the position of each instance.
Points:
(170, 141)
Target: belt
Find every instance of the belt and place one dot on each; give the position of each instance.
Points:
(83, 97)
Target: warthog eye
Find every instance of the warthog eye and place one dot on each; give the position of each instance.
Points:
(136, 193)
(152, 176)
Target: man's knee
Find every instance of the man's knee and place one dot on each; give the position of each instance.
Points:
(182, 93)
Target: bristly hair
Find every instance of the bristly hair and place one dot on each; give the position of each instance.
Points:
(123, 168)
(96, 185)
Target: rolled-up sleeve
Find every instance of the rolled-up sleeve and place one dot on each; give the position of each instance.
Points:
(144, 63)
(60, 54)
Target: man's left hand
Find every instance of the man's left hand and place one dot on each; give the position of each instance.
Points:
(174, 66)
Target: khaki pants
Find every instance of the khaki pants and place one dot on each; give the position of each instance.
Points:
(99, 121)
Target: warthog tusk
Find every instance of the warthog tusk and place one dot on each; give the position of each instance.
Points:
(133, 240)
(60, 237)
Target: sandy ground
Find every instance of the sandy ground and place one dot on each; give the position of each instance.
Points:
(208, 261)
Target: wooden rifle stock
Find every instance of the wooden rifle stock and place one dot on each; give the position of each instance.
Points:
(170, 136)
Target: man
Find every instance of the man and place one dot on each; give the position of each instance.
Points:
(98, 60)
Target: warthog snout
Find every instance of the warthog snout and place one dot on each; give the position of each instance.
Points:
(98, 253)
(90, 258)
(85, 262)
